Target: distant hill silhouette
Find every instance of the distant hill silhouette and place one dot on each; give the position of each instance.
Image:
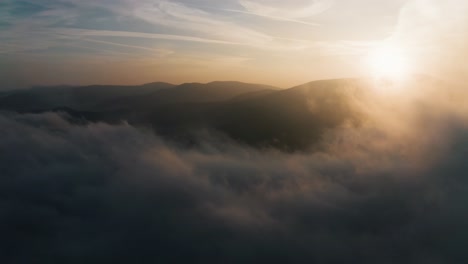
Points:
(258, 115)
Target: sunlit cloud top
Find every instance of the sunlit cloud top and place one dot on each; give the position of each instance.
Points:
(268, 41)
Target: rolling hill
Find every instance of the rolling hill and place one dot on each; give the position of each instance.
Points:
(258, 115)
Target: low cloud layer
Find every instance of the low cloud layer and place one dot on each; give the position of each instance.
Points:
(392, 191)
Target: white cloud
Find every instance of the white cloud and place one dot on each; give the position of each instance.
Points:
(182, 17)
(115, 33)
(296, 9)
(435, 33)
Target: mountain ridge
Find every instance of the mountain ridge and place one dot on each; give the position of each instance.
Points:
(262, 116)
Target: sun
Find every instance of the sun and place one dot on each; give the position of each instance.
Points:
(389, 62)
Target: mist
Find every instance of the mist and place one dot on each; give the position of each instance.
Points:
(392, 189)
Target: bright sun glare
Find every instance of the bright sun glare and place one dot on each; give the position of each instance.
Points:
(389, 63)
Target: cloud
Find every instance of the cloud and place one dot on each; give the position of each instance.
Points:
(68, 30)
(393, 190)
(113, 33)
(435, 34)
(182, 17)
(272, 17)
(287, 10)
(54, 26)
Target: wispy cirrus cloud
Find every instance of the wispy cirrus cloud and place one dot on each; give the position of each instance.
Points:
(129, 34)
(53, 22)
(290, 10)
(179, 16)
(277, 43)
(272, 17)
(268, 32)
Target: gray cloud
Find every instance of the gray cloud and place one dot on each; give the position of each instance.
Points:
(392, 191)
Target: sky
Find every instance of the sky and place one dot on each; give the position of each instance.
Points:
(281, 43)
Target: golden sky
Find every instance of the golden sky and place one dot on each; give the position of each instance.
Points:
(282, 43)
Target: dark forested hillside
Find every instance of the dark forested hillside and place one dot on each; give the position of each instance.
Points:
(258, 115)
